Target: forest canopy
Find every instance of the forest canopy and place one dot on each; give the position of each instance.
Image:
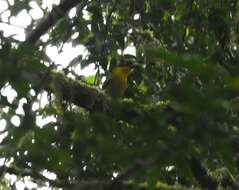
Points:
(175, 125)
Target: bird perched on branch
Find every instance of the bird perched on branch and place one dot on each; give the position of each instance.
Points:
(117, 82)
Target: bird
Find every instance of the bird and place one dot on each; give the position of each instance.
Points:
(117, 82)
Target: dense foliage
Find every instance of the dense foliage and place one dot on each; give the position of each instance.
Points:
(175, 128)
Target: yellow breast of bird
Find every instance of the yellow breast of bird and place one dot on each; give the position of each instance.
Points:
(118, 83)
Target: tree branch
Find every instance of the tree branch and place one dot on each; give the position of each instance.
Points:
(51, 19)
(76, 92)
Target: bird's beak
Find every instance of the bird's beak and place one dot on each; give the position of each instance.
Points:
(135, 65)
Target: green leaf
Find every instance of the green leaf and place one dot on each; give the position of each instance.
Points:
(90, 79)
